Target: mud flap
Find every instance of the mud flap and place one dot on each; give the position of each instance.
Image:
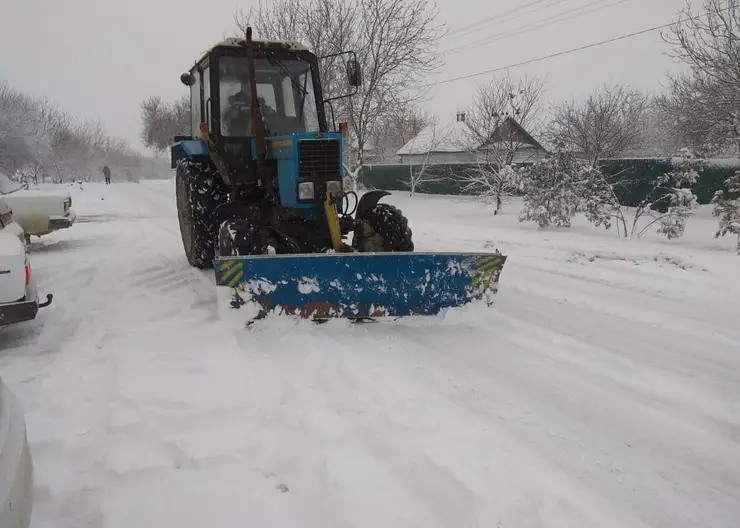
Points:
(360, 285)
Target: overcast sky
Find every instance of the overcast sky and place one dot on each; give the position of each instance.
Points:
(99, 59)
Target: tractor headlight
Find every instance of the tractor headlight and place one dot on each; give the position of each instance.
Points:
(334, 188)
(306, 191)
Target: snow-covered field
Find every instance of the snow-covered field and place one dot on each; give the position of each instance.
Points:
(603, 389)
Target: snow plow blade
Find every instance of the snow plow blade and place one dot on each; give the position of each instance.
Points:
(360, 285)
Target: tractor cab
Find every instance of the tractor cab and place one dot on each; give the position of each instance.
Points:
(290, 100)
(288, 88)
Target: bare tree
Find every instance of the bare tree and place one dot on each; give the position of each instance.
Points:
(426, 143)
(76, 151)
(37, 139)
(662, 134)
(609, 123)
(325, 26)
(25, 131)
(501, 99)
(162, 121)
(499, 109)
(491, 184)
(395, 130)
(706, 102)
(395, 41)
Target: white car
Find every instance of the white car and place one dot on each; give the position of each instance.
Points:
(37, 212)
(7, 221)
(18, 296)
(16, 465)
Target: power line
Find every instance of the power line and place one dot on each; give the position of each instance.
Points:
(578, 12)
(551, 56)
(566, 52)
(594, 8)
(497, 18)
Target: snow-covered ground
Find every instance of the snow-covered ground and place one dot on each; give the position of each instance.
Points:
(603, 389)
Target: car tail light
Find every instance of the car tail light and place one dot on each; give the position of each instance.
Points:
(67, 204)
(28, 273)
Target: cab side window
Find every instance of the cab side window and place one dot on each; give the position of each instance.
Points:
(6, 219)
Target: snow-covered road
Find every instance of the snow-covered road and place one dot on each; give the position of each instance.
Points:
(603, 389)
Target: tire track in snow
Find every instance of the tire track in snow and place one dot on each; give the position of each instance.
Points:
(94, 308)
(686, 353)
(445, 453)
(70, 459)
(345, 435)
(564, 414)
(635, 299)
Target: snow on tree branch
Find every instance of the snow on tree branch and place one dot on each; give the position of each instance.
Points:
(727, 210)
(39, 141)
(498, 109)
(668, 202)
(672, 190)
(490, 183)
(552, 190)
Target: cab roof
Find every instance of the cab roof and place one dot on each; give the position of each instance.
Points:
(237, 42)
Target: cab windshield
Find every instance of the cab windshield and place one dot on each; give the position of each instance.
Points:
(285, 89)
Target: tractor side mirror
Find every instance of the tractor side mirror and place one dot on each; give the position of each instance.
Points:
(354, 73)
(187, 79)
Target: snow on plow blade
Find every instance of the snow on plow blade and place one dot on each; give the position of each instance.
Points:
(360, 285)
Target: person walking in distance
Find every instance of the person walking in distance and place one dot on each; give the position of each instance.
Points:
(106, 173)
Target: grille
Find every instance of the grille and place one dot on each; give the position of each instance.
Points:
(318, 160)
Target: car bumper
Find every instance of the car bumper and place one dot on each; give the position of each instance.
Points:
(23, 310)
(16, 464)
(62, 222)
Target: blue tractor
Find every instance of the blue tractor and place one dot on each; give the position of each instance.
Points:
(260, 197)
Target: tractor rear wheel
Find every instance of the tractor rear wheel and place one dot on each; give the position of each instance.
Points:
(199, 190)
(384, 228)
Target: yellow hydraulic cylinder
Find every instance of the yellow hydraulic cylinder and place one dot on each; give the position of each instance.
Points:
(333, 220)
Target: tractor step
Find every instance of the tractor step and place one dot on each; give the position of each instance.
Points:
(360, 285)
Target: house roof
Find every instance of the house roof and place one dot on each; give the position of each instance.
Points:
(458, 137)
(450, 137)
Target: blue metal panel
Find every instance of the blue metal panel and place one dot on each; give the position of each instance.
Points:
(193, 147)
(284, 149)
(362, 284)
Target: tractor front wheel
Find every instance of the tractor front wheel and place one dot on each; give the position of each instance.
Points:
(199, 190)
(383, 228)
(240, 237)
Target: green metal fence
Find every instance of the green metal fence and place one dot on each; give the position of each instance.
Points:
(636, 175)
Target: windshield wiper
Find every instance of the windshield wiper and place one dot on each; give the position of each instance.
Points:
(284, 70)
